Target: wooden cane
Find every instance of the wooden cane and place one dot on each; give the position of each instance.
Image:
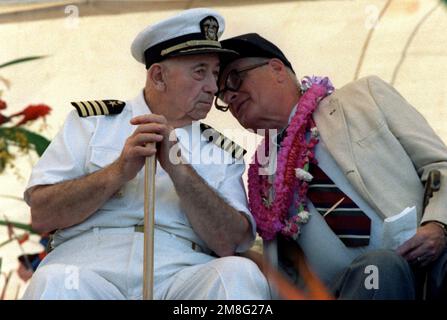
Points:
(270, 248)
(149, 222)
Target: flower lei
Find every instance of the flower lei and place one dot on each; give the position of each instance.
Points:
(292, 174)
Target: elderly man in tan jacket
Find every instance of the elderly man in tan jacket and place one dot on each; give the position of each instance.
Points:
(367, 155)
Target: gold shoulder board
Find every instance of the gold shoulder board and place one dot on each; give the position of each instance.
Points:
(98, 107)
(221, 141)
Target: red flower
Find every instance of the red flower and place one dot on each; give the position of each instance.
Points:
(3, 119)
(3, 104)
(23, 238)
(33, 112)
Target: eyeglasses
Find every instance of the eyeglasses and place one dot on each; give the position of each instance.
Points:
(233, 82)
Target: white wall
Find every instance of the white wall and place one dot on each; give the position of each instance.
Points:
(89, 58)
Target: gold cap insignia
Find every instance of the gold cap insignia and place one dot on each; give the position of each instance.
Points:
(210, 28)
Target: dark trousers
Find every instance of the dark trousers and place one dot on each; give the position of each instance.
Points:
(431, 281)
(384, 275)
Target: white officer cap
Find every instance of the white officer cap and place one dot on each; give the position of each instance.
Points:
(193, 31)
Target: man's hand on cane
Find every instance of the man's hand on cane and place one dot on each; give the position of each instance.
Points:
(150, 138)
(151, 129)
(425, 246)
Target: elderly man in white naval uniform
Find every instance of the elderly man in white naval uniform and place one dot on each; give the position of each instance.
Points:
(89, 183)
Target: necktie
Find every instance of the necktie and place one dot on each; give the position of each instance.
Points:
(348, 222)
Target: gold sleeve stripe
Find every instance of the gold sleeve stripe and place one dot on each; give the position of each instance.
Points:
(227, 145)
(104, 107)
(78, 110)
(96, 107)
(89, 109)
(219, 140)
(81, 109)
(239, 153)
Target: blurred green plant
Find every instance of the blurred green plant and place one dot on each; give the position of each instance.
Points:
(15, 139)
(13, 135)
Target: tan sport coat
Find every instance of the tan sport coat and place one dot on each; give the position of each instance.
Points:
(384, 146)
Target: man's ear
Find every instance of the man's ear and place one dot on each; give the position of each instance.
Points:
(156, 76)
(279, 69)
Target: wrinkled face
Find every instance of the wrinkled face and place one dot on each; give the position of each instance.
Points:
(253, 102)
(191, 85)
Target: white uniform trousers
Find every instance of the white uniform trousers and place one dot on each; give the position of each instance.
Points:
(107, 263)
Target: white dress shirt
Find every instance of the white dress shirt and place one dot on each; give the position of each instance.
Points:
(85, 145)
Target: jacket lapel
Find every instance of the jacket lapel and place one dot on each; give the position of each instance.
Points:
(333, 130)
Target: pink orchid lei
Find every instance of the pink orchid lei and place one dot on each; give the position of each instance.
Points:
(292, 174)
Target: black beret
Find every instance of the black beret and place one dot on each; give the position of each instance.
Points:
(252, 45)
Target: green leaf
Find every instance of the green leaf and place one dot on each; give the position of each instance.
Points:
(18, 225)
(16, 61)
(306, 167)
(39, 142)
